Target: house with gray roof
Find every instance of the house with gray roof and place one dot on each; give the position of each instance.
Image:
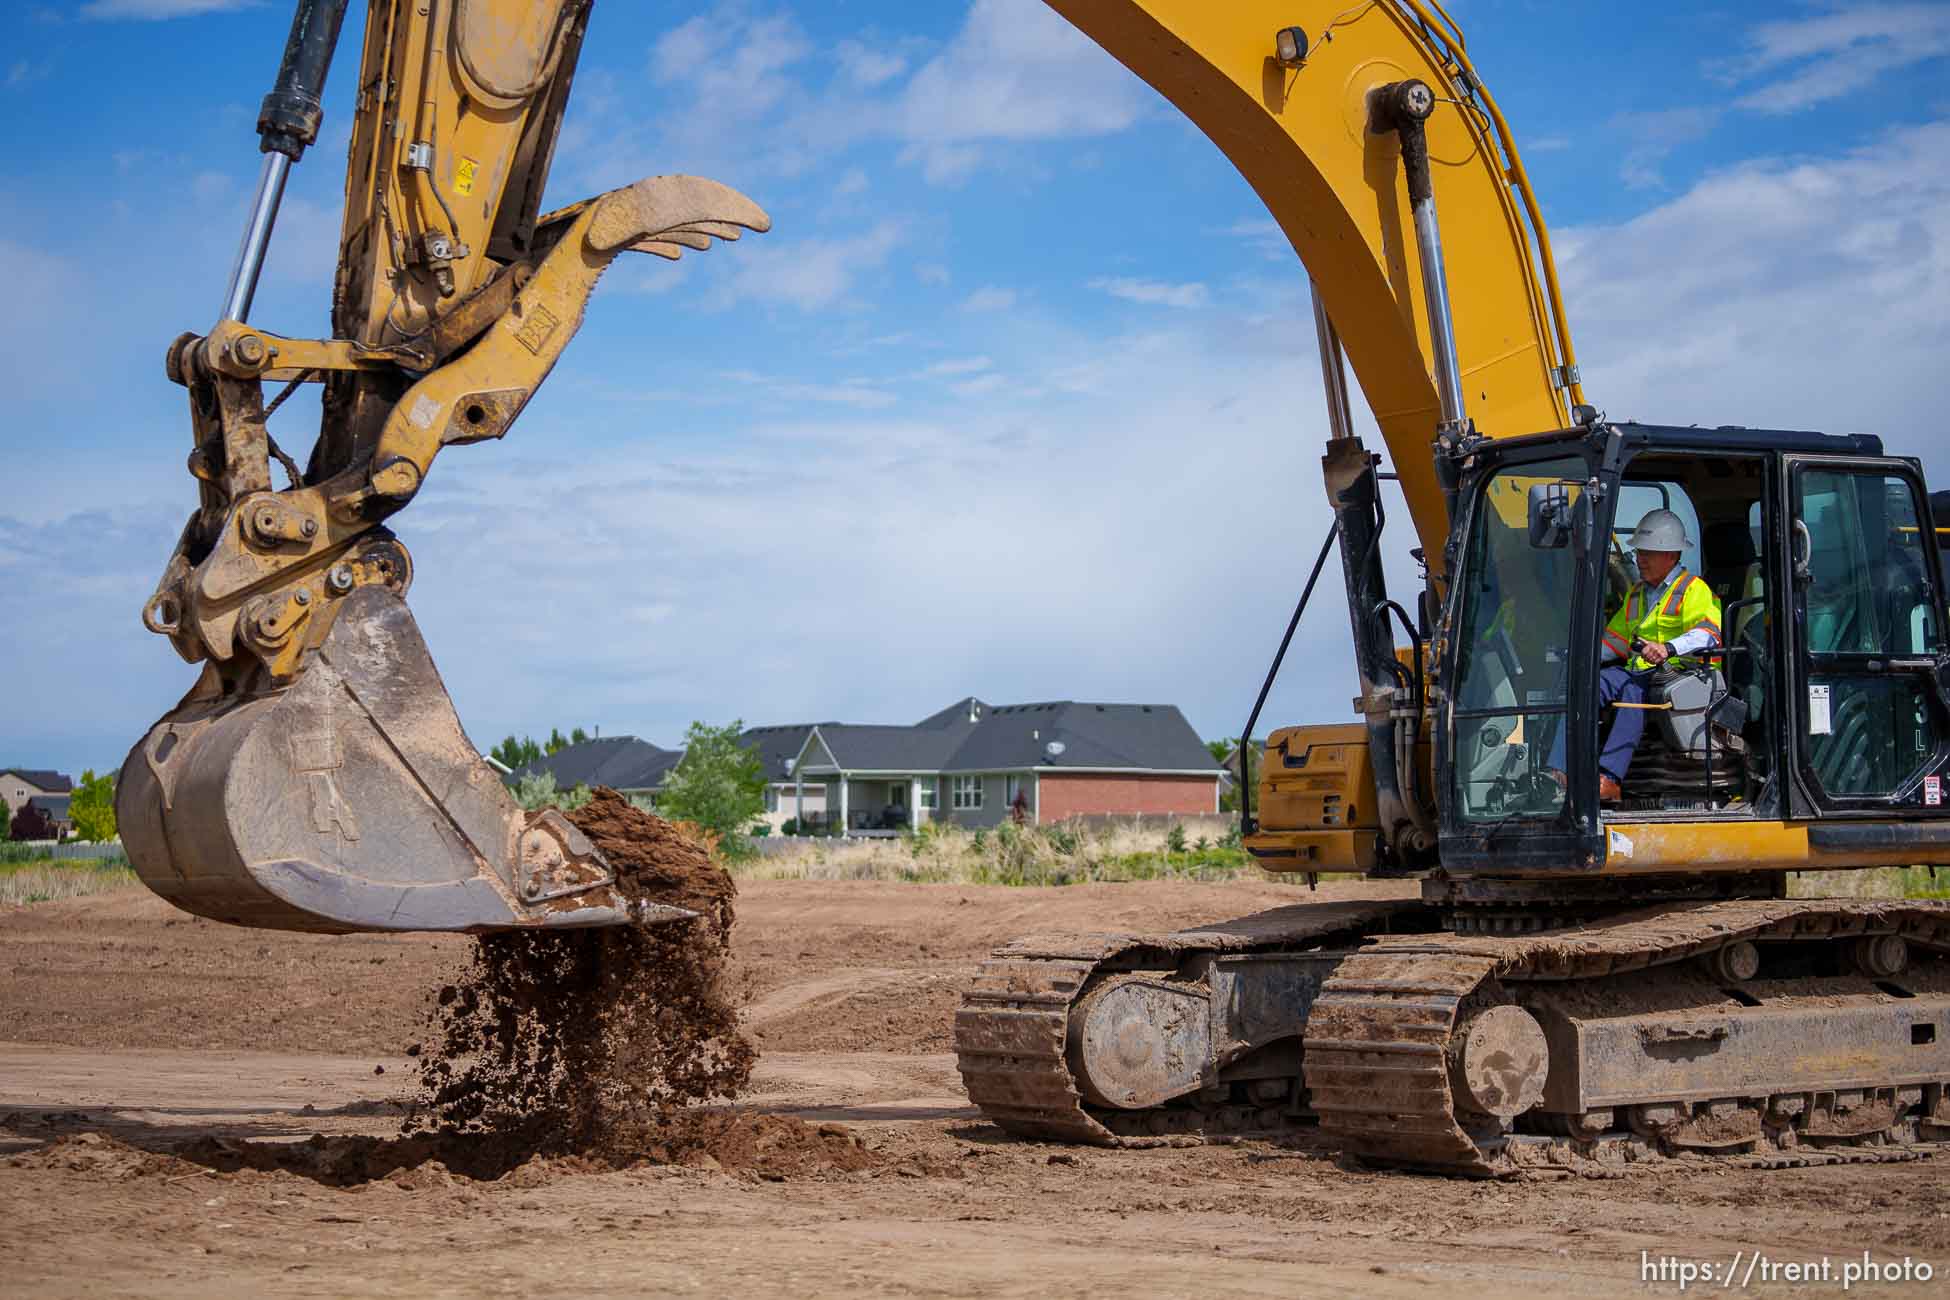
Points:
(970, 763)
(623, 763)
(633, 766)
(57, 808)
(19, 784)
(978, 765)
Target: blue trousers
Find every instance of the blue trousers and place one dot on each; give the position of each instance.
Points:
(1617, 684)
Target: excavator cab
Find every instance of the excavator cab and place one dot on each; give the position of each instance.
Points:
(1823, 697)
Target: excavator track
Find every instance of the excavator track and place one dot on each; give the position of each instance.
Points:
(1383, 1045)
(1012, 1029)
(1387, 1035)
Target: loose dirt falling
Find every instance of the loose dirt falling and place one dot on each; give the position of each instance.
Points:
(592, 1043)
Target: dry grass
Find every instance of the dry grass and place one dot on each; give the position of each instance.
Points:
(48, 879)
(1880, 882)
(43, 881)
(1062, 854)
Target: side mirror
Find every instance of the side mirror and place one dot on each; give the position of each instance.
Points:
(1550, 516)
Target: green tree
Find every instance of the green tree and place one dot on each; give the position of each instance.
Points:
(92, 807)
(719, 784)
(6, 818)
(1220, 749)
(514, 753)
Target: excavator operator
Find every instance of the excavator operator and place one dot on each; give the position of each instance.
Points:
(1669, 615)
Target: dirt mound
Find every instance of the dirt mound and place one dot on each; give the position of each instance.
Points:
(583, 1042)
(98, 1155)
(770, 1146)
(739, 1142)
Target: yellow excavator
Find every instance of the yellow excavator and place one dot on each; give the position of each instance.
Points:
(1565, 977)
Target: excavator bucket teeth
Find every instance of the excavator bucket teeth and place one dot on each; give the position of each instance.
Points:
(352, 800)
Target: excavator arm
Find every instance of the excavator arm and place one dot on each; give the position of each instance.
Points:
(316, 776)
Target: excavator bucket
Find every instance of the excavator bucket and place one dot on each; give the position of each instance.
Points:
(351, 800)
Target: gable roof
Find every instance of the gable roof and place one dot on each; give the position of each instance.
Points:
(40, 779)
(619, 762)
(778, 746)
(54, 805)
(858, 747)
(1074, 733)
(1138, 737)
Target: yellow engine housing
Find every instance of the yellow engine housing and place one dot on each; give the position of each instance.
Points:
(1316, 801)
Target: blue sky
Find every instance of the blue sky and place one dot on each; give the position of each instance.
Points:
(998, 407)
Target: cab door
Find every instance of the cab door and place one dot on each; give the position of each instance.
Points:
(1867, 668)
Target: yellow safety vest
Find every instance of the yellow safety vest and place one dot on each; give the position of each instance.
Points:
(1688, 604)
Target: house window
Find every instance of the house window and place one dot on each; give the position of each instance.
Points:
(930, 794)
(967, 791)
(897, 793)
(771, 798)
(1011, 790)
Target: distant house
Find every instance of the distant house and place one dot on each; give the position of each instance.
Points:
(623, 763)
(978, 765)
(778, 749)
(19, 784)
(54, 807)
(637, 767)
(969, 763)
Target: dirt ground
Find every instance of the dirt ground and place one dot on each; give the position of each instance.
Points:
(162, 1080)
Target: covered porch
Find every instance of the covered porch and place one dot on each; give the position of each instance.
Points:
(857, 803)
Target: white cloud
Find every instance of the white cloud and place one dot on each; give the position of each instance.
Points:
(989, 298)
(1652, 136)
(1152, 292)
(1785, 293)
(1837, 52)
(810, 273)
(154, 10)
(22, 73)
(866, 66)
(758, 96)
(1015, 71)
(933, 273)
(859, 393)
(957, 366)
(979, 386)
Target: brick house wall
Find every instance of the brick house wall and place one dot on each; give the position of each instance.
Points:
(1084, 794)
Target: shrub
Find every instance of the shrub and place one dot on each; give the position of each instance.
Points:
(1175, 839)
(537, 791)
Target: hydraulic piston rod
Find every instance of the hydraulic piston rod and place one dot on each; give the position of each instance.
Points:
(1333, 370)
(1403, 107)
(287, 124)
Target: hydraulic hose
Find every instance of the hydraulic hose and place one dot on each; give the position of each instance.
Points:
(1246, 823)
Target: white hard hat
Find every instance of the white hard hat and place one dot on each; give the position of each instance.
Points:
(1660, 530)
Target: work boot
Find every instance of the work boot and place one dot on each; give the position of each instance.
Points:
(1608, 791)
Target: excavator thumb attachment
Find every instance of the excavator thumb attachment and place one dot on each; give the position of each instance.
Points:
(352, 800)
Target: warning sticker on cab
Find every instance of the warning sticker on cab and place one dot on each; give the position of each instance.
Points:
(1819, 720)
(464, 175)
(1932, 791)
